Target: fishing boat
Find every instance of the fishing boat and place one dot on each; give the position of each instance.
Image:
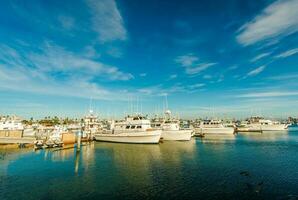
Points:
(11, 123)
(259, 123)
(134, 129)
(246, 126)
(213, 127)
(91, 125)
(171, 129)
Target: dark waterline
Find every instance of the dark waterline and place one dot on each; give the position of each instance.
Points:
(248, 166)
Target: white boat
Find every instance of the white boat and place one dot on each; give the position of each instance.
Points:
(262, 124)
(171, 129)
(11, 123)
(213, 127)
(246, 126)
(134, 129)
(91, 125)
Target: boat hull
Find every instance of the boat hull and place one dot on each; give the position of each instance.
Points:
(215, 131)
(275, 127)
(249, 129)
(180, 135)
(142, 137)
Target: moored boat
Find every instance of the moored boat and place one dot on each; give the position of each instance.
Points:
(213, 127)
(261, 124)
(171, 129)
(134, 129)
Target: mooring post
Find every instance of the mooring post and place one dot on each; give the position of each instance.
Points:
(79, 141)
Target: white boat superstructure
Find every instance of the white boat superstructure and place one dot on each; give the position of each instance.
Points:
(213, 127)
(91, 125)
(134, 129)
(245, 126)
(268, 125)
(11, 123)
(171, 129)
(259, 123)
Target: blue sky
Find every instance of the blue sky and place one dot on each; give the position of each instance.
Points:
(225, 58)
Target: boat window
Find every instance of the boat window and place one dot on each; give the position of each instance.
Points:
(132, 127)
(139, 126)
(127, 127)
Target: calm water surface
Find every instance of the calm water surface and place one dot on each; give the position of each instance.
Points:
(247, 166)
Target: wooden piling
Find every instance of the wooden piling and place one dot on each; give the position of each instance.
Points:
(79, 141)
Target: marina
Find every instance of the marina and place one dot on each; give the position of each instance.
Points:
(136, 128)
(247, 166)
(84, 90)
(143, 157)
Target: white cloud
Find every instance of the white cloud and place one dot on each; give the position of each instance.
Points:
(37, 73)
(233, 67)
(173, 76)
(284, 77)
(143, 74)
(192, 67)
(207, 76)
(260, 56)
(199, 68)
(159, 90)
(187, 60)
(115, 52)
(152, 90)
(287, 53)
(256, 71)
(277, 20)
(23, 79)
(269, 94)
(196, 86)
(90, 52)
(53, 58)
(107, 20)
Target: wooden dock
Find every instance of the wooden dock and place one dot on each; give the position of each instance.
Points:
(17, 140)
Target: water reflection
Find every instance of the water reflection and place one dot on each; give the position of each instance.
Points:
(8, 154)
(144, 155)
(219, 139)
(269, 136)
(174, 151)
(144, 167)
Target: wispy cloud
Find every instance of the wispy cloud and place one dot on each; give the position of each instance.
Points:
(287, 53)
(277, 20)
(39, 70)
(260, 56)
(206, 76)
(107, 20)
(283, 77)
(26, 81)
(256, 71)
(233, 67)
(199, 68)
(191, 64)
(186, 60)
(160, 90)
(269, 94)
(196, 86)
(172, 76)
(53, 58)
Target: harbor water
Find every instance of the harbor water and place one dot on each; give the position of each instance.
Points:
(247, 166)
